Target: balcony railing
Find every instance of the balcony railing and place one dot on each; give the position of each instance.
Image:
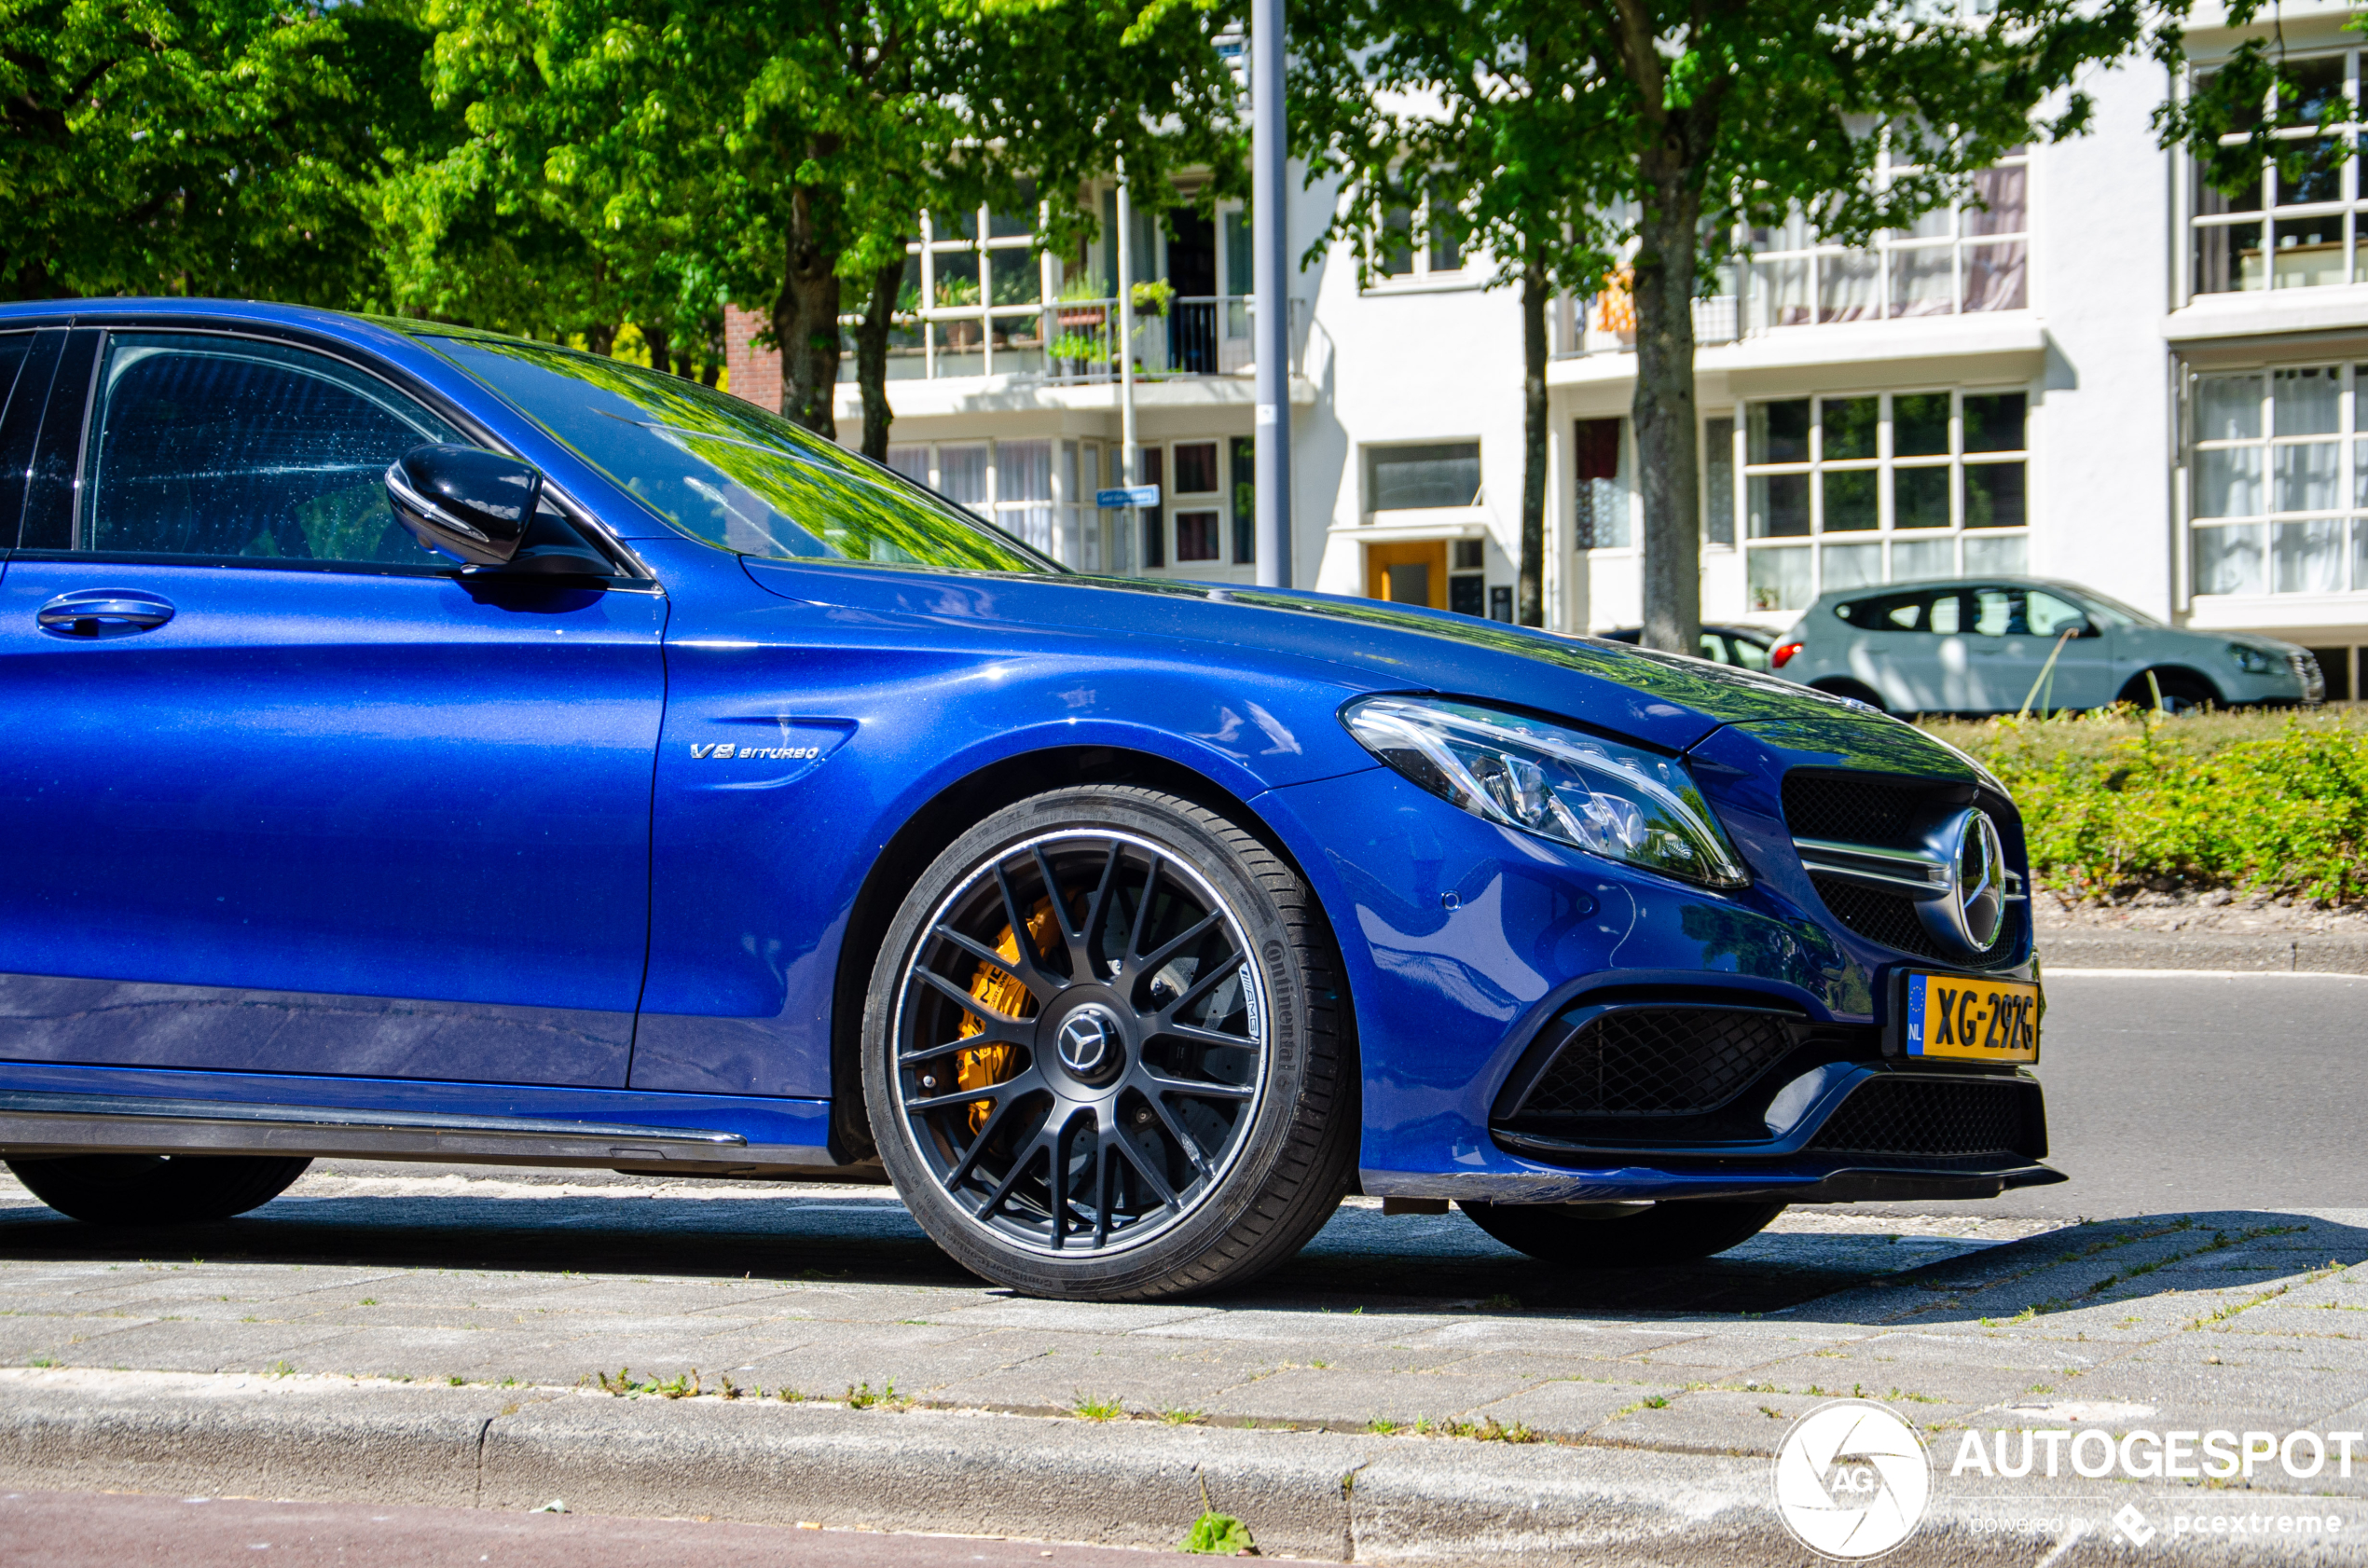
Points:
(1074, 342)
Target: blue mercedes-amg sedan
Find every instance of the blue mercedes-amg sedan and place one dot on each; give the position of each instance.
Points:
(421, 744)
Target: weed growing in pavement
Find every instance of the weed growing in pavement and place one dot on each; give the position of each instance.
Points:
(281, 1370)
(1771, 1412)
(42, 1361)
(786, 1396)
(729, 1390)
(1179, 1416)
(624, 1386)
(366, 1300)
(456, 1381)
(1656, 1402)
(861, 1397)
(1096, 1409)
(1217, 1534)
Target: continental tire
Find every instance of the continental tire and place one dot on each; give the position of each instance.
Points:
(1103, 1054)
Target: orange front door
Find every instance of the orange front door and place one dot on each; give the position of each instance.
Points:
(1408, 573)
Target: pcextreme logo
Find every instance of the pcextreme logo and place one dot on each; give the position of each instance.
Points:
(1851, 1480)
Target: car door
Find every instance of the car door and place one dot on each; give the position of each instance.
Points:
(1894, 649)
(279, 790)
(2015, 632)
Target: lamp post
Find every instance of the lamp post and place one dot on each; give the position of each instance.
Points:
(1270, 271)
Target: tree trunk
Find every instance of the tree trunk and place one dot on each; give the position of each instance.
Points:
(601, 338)
(1666, 439)
(660, 347)
(871, 357)
(1532, 593)
(806, 314)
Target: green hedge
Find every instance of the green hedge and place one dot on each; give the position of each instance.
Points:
(2119, 801)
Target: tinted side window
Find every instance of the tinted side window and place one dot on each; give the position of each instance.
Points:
(1890, 612)
(12, 351)
(222, 446)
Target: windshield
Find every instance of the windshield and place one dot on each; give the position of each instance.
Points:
(722, 470)
(2113, 613)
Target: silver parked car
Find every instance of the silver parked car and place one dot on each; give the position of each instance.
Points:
(1981, 645)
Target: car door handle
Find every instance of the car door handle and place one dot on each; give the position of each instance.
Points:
(104, 612)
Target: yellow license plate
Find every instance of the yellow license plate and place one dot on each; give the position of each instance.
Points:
(1978, 1020)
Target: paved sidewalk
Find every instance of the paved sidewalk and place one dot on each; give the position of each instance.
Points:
(1666, 1389)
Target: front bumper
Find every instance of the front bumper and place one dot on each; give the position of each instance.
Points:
(1462, 942)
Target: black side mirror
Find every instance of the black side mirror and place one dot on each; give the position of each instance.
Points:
(463, 502)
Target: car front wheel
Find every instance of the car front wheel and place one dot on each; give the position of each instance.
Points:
(1104, 1053)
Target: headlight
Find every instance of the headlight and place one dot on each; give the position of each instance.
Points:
(2253, 661)
(1622, 802)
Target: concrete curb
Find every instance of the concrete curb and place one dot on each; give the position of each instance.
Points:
(2202, 950)
(1318, 1495)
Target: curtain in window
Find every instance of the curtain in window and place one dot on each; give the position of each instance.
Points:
(961, 474)
(1994, 276)
(1602, 521)
(1023, 475)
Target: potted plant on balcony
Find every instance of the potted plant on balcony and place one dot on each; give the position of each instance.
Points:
(1154, 297)
(953, 293)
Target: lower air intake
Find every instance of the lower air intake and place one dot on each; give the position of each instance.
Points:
(1658, 1061)
(1907, 1116)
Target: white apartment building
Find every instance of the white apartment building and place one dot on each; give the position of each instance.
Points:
(2112, 375)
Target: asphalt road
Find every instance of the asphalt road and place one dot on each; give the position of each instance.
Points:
(75, 1529)
(2168, 1092)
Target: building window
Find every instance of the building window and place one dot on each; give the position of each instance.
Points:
(1153, 463)
(1970, 256)
(1242, 460)
(1892, 487)
(2298, 228)
(1411, 250)
(1467, 580)
(1718, 482)
(1599, 483)
(977, 294)
(2279, 481)
(1196, 536)
(1422, 477)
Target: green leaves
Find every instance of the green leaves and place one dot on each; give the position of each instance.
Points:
(195, 147)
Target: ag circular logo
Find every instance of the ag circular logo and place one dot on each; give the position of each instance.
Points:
(1085, 1038)
(1851, 1480)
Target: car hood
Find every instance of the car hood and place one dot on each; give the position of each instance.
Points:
(1663, 699)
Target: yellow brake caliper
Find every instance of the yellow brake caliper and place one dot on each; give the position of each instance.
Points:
(984, 1065)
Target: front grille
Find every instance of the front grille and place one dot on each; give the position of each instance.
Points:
(1890, 920)
(1659, 1062)
(1906, 1116)
(1868, 809)
(2314, 679)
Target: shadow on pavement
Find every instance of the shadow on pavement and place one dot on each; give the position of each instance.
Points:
(2147, 1273)
(1361, 1258)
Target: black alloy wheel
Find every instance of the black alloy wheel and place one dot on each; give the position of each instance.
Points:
(1101, 1030)
(1624, 1235)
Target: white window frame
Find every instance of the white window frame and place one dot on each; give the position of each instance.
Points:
(2350, 512)
(1886, 464)
(2349, 205)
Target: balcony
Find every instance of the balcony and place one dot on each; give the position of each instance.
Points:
(1074, 342)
